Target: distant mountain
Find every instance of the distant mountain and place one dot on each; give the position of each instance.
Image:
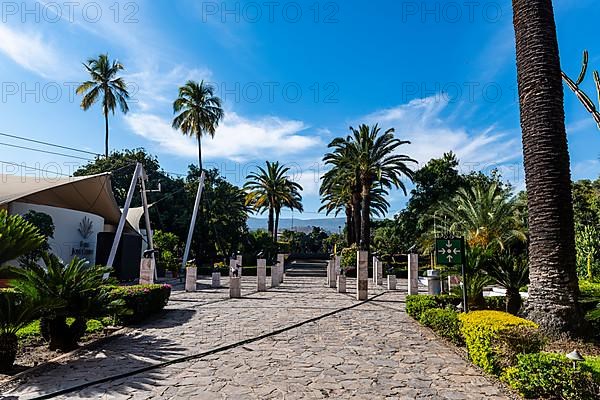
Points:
(331, 225)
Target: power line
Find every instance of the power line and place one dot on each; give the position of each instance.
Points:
(34, 168)
(45, 151)
(50, 144)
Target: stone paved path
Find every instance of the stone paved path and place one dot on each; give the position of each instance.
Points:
(371, 351)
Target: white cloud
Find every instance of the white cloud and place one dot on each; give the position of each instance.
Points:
(30, 51)
(421, 122)
(237, 138)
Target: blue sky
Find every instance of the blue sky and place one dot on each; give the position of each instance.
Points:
(293, 75)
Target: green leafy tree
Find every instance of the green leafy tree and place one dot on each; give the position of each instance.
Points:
(105, 84)
(587, 244)
(46, 227)
(510, 270)
(197, 112)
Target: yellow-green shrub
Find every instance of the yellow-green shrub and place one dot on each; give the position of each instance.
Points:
(495, 338)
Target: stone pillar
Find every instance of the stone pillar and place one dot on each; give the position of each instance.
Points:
(362, 275)
(274, 276)
(191, 274)
(232, 264)
(239, 261)
(235, 288)
(391, 282)
(338, 265)
(261, 275)
(377, 272)
(147, 271)
(331, 273)
(216, 279)
(281, 266)
(413, 274)
(341, 284)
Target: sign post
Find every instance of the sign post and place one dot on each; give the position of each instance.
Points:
(451, 251)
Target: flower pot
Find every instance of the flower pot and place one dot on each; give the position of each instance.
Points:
(9, 344)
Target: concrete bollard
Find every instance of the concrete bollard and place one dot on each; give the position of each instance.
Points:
(377, 272)
(413, 274)
(281, 266)
(391, 282)
(261, 275)
(331, 273)
(239, 260)
(191, 275)
(338, 267)
(216, 279)
(147, 271)
(274, 276)
(341, 284)
(235, 288)
(362, 275)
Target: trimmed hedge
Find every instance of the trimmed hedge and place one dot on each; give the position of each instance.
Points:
(417, 304)
(494, 338)
(548, 375)
(141, 301)
(444, 322)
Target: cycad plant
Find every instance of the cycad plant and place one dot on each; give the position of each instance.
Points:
(510, 271)
(17, 237)
(16, 311)
(75, 290)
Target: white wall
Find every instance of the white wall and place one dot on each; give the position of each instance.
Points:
(68, 241)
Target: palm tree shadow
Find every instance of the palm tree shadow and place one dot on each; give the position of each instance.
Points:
(123, 355)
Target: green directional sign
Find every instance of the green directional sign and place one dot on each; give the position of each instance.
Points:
(449, 251)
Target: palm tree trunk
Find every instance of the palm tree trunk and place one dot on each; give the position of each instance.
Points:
(356, 200)
(276, 227)
(271, 222)
(349, 226)
(200, 152)
(513, 300)
(553, 292)
(106, 133)
(365, 226)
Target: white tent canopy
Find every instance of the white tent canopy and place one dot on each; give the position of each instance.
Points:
(92, 194)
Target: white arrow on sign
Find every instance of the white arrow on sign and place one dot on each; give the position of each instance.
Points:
(456, 251)
(449, 244)
(443, 251)
(449, 257)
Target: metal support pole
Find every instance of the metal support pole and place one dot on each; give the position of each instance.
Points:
(464, 275)
(143, 179)
(188, 243)
(121, 226)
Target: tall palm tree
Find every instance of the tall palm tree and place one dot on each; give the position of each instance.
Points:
(270, 189)
(377, 163)
(553, 292)
(106, 84)
(198, 112)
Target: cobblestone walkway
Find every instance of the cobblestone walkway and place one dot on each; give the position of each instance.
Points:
(371, 351)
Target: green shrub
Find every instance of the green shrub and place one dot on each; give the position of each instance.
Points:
(495, 303)
(547, 375)
(141, 301)
(416, 305)
(444, 322)
(494, 338)
(348, 257)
